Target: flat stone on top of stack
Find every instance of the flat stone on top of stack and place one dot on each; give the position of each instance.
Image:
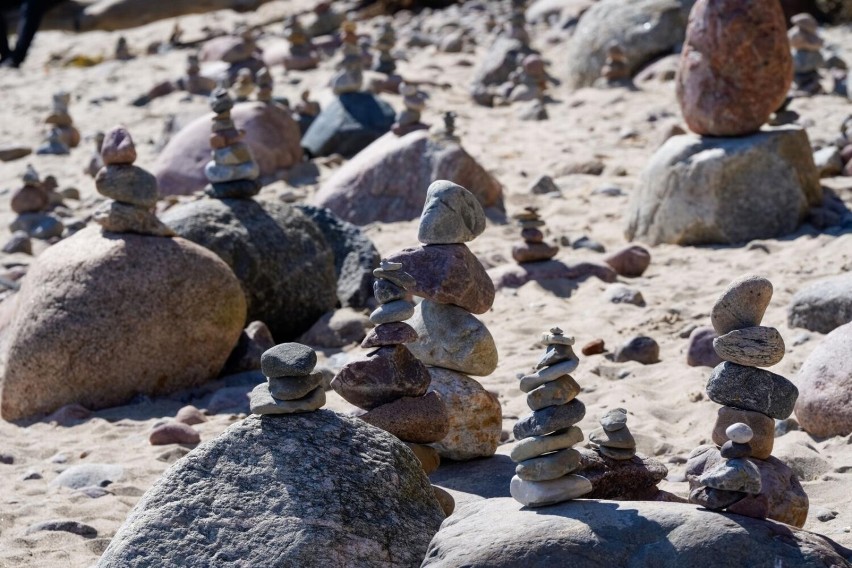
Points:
(547, 463)
(613, 439)
(232, 172)
(292, 386)
(133, 189)
(534, 248)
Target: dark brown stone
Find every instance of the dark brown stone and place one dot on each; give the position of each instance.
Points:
(448, 274)
(594, 347)
(735, 67)
(630, 262)
(533, 252)
(117, 147)
(420, 420)
(174, 433)
(532, 235)
(635, 479)
(29, 199)
(382, 376)
(395, 333)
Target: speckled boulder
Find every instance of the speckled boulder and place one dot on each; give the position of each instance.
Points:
(824, 407)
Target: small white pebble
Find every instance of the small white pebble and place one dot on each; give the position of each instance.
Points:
(739, 433)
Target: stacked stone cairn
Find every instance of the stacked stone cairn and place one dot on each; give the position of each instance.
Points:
(615, 71)
(132, 189)
(534, 248)
(613, 439)
(806, 46)
(409, 119)
(306, 110)
(544, 453)
(232, 172)
(350, 75)
(32, 197)
(62, 134)
(265, 85)
(122, 51)
(244, 86)
(752, 397)
(302, 54)
(384, 44)
(291, 386)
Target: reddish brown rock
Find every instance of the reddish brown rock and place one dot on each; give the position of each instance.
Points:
(190, 415)
(630, 262)
(594, 347)
(29, 199)
(762, 425)
(380, 377)
(421, 420)
(395, 333)
(699, 350)
(533, 252)
(735, 67)
(174, 433)
(118, 147)
(448, 274)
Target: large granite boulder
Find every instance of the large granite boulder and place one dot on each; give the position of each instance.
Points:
(271, 134)
(823, 305)
(824, 407)
(347, 125)
(310, 490)
(699, 190)
(109, 15)
(387, 181)
(499, 533)
(102, 317)
(279, 255)
(645, 29)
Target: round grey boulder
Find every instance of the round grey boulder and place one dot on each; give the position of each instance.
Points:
(823, 305)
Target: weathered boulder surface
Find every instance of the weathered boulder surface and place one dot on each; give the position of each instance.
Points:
(824, 407)
(823, 305)
(350, 123)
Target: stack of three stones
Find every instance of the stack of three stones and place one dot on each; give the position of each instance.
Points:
(292, 385)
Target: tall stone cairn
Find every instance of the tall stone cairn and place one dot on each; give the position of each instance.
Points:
(232, 172)
(547, 462)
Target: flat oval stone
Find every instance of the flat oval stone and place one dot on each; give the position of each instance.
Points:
(733, 450)
(630, 262)
(615, 419)
(733, 475)
(174, 433)
(451, 215)
(392, 312)
(715, 499)
(399, 277)
(395, 333)
(740, 433)
(448, 274)
(382, 376)
(750, 388)
(544, 376)
(261, 402)
(561, 391)
(386, 291)
(555, 354)
(538, 445)
(549, 466)
(751, 346)
(421, 420)
(128, 184)
(292, 388)
(550, 419)
(762, 426)
(288, 360)
(541, 493)
(620, 439)
(118, 147)
(621, 454)
(742, 304)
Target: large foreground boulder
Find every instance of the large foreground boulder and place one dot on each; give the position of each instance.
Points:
(271, 134)
(499, 533)
(823, 305)
(387, 181)
(645, 29)
(348, 125)
(101, 317)
(308, 490)
(824, 407)
(700, 190)
(280, 256)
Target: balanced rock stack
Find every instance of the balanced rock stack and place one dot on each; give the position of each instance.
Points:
(613, 439)
(61, 121)
(409, 119)
(292, 385)
(244, 85)
(534, 248)
(389, 381)
(301, 55)
(32, 197)
(750, 396)
(546, 460)
(615, 71)
(733, 479)
(806, 46)
(350, 75)
(133, 189)
(232, 171)
(264, 85)
(53, 144)
(451, 341)
(384, 44)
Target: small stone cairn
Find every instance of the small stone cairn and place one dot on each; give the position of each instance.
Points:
(62, 134)
(734, 478)
(534, 248)
(544, 453)
(244, 86)
(53, 144)
(32, 197)
(302, 54)
(613, 439)
(806, 46)
(122, 51)
(385, 44)
(232, 172)
(265, 85)
(409, 119)
(291, 386)
(132, 189)
(615, 71)
(350, 75)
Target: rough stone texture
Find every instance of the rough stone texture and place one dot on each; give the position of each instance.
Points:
(742, 304)
(350, 123)
(421, 420)
(498, 533)
(642, 349)
(781, 498)
(388, 180)
(95, 305)
(699, 350)
(396, 333)
(735, 67)
(271, 135)
(762, 426)
(750, 388)
(288, 360)
(475, 415)
(448, 274)
(268, 492)
(451, 215)
(550, 419)
(355, 256)
(823, 305)
(697, 191)
(754, 346)
(516, 275)
(381, 376)
(450, 337)
(635, 479)
(281, 258)
(630, 262)
(824, 407)
(645, 29)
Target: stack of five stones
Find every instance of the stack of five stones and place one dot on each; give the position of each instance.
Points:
(232, 171)
(534, 248)
(292, 385)
(547, 463)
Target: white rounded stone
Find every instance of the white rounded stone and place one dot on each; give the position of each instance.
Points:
(739, 433)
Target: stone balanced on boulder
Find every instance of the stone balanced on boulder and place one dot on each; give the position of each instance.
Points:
(753, 397)
(547, 463)
(534, 248)
(292, 386)
(806, 46)
(451, 341)
(232, 171)
(409, 119)
(613, 439)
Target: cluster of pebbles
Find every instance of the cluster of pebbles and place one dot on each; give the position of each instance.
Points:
(232, 171)
(292, 385)
(534, 248)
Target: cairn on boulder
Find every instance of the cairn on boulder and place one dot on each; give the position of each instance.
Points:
(244, 86)
(450, 340)
(384, 44)
(350, 75)
(265, 85)
(193, 82)
(806, 46)
(32, 197)
(534, 248)
(122, 51)
(292, 386)
(613, 439)
(752, 400)
(61, 126)
(615, 72)
(547, 462)
(302, 55)
(232, 171)
(133, 191)
(409, 119)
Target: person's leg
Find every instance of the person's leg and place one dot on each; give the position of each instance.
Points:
(5, 52)
(32, 12)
